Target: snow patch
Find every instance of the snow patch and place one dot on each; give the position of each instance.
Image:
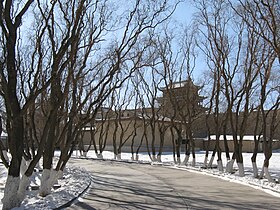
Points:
(71, 187)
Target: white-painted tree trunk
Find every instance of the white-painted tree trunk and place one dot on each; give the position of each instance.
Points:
(45, 187)
(11, 199)
(60, 174)
(255, 170)
(132, 157)
(186, 160)
(262, 173)
(5, 154)
(205, 162)
(24, 183)
(179, 160)
(115, 156)
(119, 156)
(38, 166)
(174, 160)
(23, 166)
(49, 178)
(159, 158)
(241, 169)
(100, 156)
(85, 154)
(53, 178)
(137, 157)
(267, 175)
(154, 158)
(193, 162)
(220, 165)
(211, 161)
(229, 166)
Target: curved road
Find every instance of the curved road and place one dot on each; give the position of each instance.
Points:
(141, 186)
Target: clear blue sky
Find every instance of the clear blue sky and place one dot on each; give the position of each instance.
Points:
(184, 15)
(184, 12)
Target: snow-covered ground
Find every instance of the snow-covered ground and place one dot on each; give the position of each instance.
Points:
(71, 185)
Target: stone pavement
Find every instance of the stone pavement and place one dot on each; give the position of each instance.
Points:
(118, 185)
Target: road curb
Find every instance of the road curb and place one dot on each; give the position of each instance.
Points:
(69, 203)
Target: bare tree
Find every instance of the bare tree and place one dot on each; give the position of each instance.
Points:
(140, 113)
(214, 22)
(3, 148)
(11, 19)
(114, 75)
(62, 55)
(257, 137)
(208, 115)
(192, 108)
(122, 120)
(268, 134)
(169, 74)
(152, 89)
(136, 114)
(234, 77)
(263, 16)
(263, 42)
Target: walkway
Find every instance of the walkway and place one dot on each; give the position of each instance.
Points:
(140, 186)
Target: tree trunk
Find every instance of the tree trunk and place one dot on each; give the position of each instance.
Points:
(138, 148)
(193, 150)
(254, 158)
(205, 162)
(11, 198)
(162, 132)
(219, 153)
(207, 146)
(220, 165)
(45, 189)
(187, 152)
(239, 158)
(116, 126)
(226, 146)
(212, 158)
(229, 166)
(186, 160)
(266, 171)
(241, 169)
(255, 170)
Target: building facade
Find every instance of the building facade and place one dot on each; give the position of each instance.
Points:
(161, 126)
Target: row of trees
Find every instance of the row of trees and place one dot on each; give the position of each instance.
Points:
(240, 43)
(241, 83)
(62, 61)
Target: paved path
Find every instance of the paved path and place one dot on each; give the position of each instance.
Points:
(137, 186)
